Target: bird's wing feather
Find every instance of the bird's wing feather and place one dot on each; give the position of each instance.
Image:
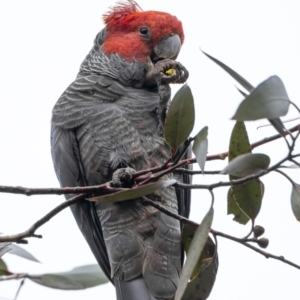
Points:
(74, 108)
(68, 168)
(184, 195)
(87, 111)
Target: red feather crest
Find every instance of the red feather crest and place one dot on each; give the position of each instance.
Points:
(121, 9)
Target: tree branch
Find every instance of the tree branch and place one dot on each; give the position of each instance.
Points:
(148, 175)
(190, 172)
(264, 253)
(257, 144)
(55, 191)
(142, 177)
(107, 188)
(13, 277)
(161, 208)
(31, 231)
(221, 183)
(219, 156)
(243, 241)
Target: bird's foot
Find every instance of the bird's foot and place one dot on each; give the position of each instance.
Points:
(122, 177)
(169, 71)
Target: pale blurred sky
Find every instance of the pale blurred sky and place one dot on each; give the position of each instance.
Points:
(42, 44)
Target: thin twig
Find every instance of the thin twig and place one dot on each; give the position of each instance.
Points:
(286, 176)
(256, 144)
(161, 208)
(218, 233)
(19, 289)
(53, 191)
(212, 197)
(13, 277)
(264, 253)
(182, 149)
(296, 163)
(220, 183)
(222, 155)
(234, 182)
(297, 108)
(164, 172)
(31, 231)
(251, 230)
(190, 172)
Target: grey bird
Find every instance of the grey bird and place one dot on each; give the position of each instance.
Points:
(109, 121)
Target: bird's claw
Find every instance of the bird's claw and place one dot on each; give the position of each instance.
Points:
(122, 177)
(161, 68)
(183, 74)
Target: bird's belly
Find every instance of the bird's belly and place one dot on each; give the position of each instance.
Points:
(131, 215)
(140, 239)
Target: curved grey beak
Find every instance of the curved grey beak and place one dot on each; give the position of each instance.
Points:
(168, 47)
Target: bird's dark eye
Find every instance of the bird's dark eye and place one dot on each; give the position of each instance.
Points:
(144, 30)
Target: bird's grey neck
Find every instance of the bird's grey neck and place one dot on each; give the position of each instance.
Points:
(127, 73)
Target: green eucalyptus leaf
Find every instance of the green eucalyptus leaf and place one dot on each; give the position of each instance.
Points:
(233, 208)
(19, 251)
(242, 81)
(243, 201)
(187, 235)
(293, 166)
(248, 197)
(3, 267)
(180, 118)
(77, 279)
(135, 192)
(268, 100)
(239, 142)
(195, 250)
(247, 164)
(295, 200)
(278, 125)
(188, 232)
(4, 247)
(201, 286)
(241, 92)
(200, 147)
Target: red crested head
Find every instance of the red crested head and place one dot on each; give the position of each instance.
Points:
(134, 34)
